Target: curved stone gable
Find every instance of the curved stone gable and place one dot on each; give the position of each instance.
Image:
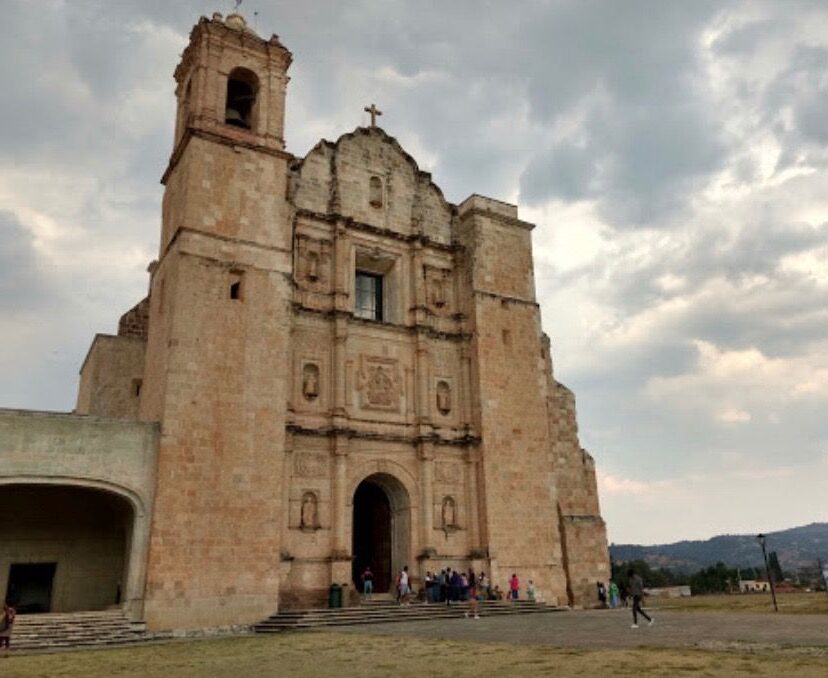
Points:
(334, 179)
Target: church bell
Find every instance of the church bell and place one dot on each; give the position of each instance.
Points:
(233, 117)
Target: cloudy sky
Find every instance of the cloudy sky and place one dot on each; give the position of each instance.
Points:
(674, 156)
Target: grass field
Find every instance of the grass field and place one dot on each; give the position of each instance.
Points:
(342, 655)
(789, 603)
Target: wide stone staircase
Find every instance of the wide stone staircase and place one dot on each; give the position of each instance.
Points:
(75, 629)
(385, 611)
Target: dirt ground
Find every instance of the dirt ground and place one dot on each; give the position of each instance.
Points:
(788, 603)
(335, 654)
(587, 643)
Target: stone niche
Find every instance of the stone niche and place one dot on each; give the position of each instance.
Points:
(438, 290)
(443, 397)
(311, 383)
(313, 263)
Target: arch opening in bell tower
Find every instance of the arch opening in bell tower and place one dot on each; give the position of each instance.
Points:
(242, 88)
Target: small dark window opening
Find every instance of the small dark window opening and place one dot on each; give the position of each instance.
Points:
(236, 290)
(368, 296)
(375, 192)
(136, 387)
(241, 96)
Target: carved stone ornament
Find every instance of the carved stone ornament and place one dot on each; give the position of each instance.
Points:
(310, 512)
(447, 472)
(443, 397)
(379, 383)
(310, 465)
(310, 381)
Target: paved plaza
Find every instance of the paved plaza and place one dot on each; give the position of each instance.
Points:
(610, 629)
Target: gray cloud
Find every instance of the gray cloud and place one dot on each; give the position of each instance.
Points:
(609, 105)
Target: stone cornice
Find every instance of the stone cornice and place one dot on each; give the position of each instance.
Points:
(352, 224)
(491, 214)
(332, 432)
(226, 136)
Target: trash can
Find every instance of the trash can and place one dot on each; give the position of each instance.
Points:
(335, 596)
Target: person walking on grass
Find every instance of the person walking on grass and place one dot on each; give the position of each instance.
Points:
(637, 592)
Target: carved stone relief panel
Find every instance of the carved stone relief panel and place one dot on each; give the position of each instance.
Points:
(310, 464)
(447, 472)
(379, 383)
(313, 263)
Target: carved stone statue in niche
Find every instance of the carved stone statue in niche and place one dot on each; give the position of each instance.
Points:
(449, 513)
(313, 257)
(310, 512)
(310, 381)
(443, 397)
(438, 291)
(312, 266)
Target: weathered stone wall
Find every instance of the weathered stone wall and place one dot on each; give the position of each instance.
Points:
(111, 377)
(135, 322)
(520, 529)
(586, 553)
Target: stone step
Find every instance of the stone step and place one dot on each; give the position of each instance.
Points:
(390, 614)
(75, 629)
(398, 609)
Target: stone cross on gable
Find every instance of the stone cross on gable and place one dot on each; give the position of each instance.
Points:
(374, 111)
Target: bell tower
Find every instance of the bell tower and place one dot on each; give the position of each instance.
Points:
(217, 351)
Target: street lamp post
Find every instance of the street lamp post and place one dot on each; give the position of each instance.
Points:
(761, 538)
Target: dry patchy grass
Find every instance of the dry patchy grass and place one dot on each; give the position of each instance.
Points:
(341, 655)
(789, 603)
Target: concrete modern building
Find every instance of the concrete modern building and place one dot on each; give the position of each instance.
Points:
(334, 367)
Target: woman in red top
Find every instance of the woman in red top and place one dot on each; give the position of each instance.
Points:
(514, 586)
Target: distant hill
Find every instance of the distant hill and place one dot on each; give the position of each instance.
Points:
(796, 547)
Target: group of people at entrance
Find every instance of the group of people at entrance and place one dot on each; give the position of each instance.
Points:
(450, 586)
(613, 596)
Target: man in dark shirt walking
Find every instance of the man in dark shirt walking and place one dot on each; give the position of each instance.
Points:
(637, 592)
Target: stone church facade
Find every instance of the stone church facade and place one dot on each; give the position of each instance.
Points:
(334, 367)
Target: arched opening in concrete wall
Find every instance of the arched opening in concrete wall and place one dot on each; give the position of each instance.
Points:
(64, 548)
(381, 529)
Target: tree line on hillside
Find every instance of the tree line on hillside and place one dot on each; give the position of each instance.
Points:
(717, 578)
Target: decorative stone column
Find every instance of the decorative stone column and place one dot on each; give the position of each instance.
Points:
(426, 450)
(341, 555)
(472, 457)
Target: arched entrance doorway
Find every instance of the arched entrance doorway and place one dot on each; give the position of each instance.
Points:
(381, 529)
(63, 548)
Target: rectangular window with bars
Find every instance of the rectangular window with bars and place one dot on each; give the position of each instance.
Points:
(368, 296)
